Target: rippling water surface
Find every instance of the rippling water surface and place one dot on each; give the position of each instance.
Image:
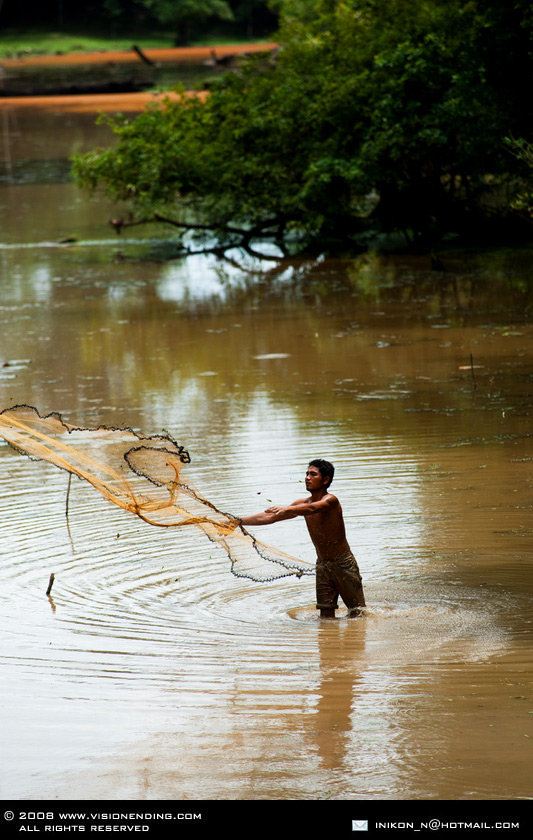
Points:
(152, 672)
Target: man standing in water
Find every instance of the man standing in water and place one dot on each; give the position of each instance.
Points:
(337, 572)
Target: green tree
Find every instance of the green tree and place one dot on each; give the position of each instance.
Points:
(389, 116)
(183, 15)
(182, 18)
(254, 15)
(524, 152)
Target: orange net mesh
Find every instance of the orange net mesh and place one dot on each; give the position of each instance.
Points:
(142, 474)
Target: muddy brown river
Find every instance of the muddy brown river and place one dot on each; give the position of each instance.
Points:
(152, 672)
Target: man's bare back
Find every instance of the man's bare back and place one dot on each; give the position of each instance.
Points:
(337, 570)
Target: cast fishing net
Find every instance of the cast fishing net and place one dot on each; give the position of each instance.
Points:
(142, 474)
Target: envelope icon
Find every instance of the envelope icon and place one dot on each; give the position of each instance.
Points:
(359, 825)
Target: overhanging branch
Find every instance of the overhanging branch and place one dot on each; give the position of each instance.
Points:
(245, 234)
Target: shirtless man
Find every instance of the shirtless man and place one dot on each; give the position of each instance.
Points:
(337, 572)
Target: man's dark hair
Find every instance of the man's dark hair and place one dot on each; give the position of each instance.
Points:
(325, 469)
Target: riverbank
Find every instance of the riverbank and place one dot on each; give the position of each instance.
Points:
(92, 102)
(179, 55)
(38, 40)
(120, 71)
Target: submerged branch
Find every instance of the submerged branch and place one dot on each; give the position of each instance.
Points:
(246, 234)
(220, 251)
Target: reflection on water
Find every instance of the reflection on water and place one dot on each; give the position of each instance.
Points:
(415, 382)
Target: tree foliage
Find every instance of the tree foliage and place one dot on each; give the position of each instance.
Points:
(372, 115)
(179, 15)
(182, 18)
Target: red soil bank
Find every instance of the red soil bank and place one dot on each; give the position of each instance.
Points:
(186, 55)
(91, 102)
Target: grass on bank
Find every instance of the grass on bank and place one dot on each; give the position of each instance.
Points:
(44, 42)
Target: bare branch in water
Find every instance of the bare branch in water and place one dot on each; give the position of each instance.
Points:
(246, 235)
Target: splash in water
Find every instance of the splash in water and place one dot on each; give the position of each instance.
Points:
(142, 474)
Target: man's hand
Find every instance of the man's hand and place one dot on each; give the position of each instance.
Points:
(301, 507)
(276, 509)
(272, 514)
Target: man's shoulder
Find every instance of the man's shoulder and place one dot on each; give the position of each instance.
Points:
(329, 502)
(331, 498)
(302, 501)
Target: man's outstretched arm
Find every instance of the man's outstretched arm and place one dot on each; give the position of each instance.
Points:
(266, 517)
(301, 507)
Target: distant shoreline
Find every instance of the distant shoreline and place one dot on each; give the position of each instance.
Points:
(92, 102)
(177, 55)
